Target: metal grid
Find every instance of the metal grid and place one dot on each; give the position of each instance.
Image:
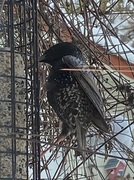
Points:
(28, 27)
(19, 101)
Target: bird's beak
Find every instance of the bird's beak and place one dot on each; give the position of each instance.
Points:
(42, 58)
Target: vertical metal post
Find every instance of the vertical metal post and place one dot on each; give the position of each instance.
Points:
(36, 147)
(11, 40)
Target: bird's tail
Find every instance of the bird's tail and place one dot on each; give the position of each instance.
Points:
(101, 124)
(81, 140)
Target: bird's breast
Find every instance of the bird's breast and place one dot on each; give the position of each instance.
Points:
(60, 86)
(68, 99)
(59, 79)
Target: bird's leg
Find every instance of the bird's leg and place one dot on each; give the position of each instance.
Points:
(64, 133)
(59, 139)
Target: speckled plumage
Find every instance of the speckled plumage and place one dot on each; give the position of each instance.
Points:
(73, 95)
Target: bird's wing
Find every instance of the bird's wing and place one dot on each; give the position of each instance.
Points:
(85, 80)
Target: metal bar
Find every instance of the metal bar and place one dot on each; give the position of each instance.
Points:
(11, 36)
(36, 90)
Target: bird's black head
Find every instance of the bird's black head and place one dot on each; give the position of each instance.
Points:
(58, 51)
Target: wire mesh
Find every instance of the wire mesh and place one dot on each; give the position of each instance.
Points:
(27, 29)
(19, 100)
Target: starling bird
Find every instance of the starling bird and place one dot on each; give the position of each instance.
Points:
(72, 93)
